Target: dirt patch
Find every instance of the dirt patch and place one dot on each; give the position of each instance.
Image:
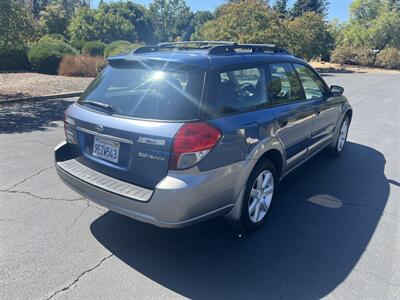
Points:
(326, 67)
(17, 85)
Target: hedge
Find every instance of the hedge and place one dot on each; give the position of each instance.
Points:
(93, 48)
(119, 47)
(78, 45)
(45, 56)
(13, 57)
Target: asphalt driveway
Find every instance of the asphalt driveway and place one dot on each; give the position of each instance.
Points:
(335, 231)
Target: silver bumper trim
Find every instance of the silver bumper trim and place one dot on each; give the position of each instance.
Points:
(105, 182)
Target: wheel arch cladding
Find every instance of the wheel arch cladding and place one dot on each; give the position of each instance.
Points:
(349, 113)
(275, 157)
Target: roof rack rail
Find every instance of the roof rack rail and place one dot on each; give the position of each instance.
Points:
(184, 45)
(255, 48)
(214, 47)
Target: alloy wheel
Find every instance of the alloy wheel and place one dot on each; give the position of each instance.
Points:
(261, 196)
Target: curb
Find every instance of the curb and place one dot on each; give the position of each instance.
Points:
(47, 97)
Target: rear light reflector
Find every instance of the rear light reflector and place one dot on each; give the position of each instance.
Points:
(69, 124)
(191, 143)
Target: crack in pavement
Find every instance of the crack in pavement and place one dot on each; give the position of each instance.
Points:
(78, 217)
(27, 178)
(79, 277)
(42, 198)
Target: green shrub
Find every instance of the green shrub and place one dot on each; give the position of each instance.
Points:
(78, 45)
(389, 58)
(119, 47)
(45, 56)
(79, 65)
(52, 37)
(365, 57)
(93, 48)
(344, 54)
(13, 57)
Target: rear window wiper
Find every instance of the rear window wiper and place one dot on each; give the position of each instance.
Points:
(105, 106)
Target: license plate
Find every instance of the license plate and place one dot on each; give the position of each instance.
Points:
(106, 149)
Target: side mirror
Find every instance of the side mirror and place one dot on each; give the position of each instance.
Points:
(336, 90)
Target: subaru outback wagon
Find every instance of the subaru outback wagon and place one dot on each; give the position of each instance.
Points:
(182, 132)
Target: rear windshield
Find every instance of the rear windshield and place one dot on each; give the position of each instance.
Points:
(149, 93)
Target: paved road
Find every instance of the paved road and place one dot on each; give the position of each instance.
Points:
(335, 231)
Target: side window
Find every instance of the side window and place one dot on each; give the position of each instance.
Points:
(240, 90)
(284, 86)
(313, 87)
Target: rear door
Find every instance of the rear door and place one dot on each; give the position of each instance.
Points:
(124, 124)
(293, 113)
(237, 104)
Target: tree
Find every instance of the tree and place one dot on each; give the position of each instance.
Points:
(171, 19)
(136, 14)
(302, 6)
(365, 10)
(280, 7)
(244, 22)
(309, 36)
(17, 24)
(54, 19)
(373, 24)
(199, 19)
(96, 25)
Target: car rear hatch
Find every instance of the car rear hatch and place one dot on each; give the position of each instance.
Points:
(125, 122)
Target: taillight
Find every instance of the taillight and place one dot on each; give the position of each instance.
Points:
(69, 124)
(191, 143)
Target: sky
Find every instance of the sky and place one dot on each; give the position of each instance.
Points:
(337, 8)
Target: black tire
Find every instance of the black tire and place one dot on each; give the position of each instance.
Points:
(334, 150)
(245, 223)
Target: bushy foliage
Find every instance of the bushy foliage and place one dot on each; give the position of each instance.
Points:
(347, 54)
(78, 45)
(301, 7)
(244, 22)
(136, 14)
(13, 57)
(45, 56)
(344, 54)
(199, 19)
(96, 25)
(373, 25)
(79, 65)
(17, 24)
(93, 48)
(308, 36)
(389, 58)
(52, 37)
(171, 20)
(119, 47)
(54, 19)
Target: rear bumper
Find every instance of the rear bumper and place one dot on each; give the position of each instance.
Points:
(181, 199)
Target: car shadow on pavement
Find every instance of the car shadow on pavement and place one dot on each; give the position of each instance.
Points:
(27, 116)
(326, 215)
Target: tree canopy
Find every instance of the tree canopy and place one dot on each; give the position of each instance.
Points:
(302, 6)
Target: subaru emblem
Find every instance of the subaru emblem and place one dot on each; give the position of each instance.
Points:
(99, 128)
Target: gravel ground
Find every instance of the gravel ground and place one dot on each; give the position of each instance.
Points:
(16, 85)
(334, 231)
